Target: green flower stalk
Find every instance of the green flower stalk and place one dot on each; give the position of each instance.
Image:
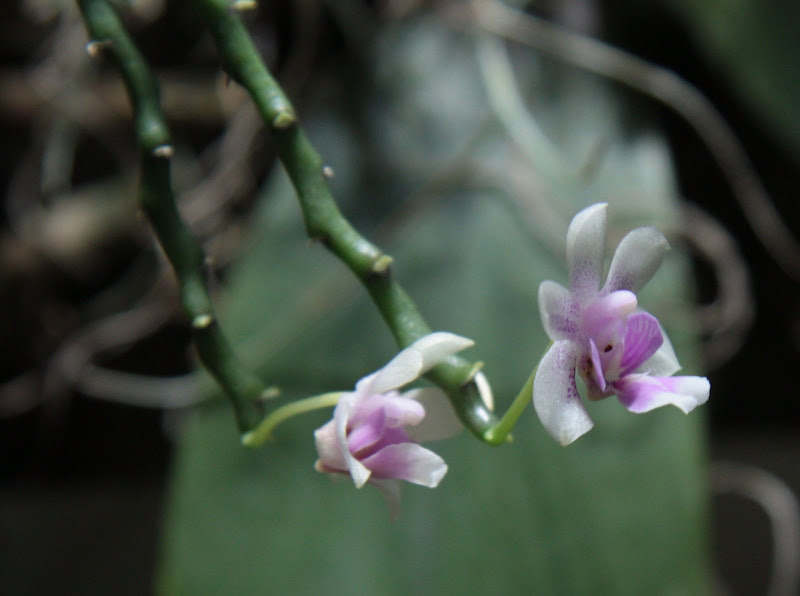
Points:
(324, 221)
(156, 196)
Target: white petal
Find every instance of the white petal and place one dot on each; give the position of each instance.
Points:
(329, 449)
(636, 259)
(341, 415)
(555, 395)
(416, 359)
(436, 347)
(557, 310)
(664, 363)
(440, 420)
(586, 244)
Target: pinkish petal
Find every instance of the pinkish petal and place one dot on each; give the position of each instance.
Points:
(642, 393)
(555, 395)
(558, 311)
(664, 363)
(367, 433)
(440, 420)
(604, 318)
(636, 259)
(597, 368)
(586, 244)
(396, 409)
(642, 339)
(409, 462)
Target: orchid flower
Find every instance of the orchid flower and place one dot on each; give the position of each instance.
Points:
(616, 348)
(375, 431)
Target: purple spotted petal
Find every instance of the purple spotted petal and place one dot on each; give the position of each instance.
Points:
(409, 462)
(558, 311)
(555, 395)
(586, 244)
(642, 393)
(636, 259)
(642, 339)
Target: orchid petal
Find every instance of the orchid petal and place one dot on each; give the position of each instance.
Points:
(597, 367)
(440, 420)
(555, 395)
(330, 451)
(643, 337)
(586, 242)
(409, 462)
(642, 393)
(396, 408)
(391, 492)
(558, 311)
(664, 363)
(341, 416)
(413, 361)
(636, 259)
(605, 317)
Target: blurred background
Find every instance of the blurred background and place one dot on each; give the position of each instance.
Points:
(464, 136)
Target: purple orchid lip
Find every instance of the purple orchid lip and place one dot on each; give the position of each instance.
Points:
(599, 332)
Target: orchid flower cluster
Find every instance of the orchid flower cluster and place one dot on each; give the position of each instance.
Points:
(598, 332)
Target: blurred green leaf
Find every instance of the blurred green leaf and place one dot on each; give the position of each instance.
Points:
(621, 511)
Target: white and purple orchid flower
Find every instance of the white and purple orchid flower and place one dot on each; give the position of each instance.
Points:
(599, 332)
(375, 431)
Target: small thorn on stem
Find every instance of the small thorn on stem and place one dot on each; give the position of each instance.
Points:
(283, 120)
(203, 321)
(476, 368)
(95, 47)
(163, 151)
(242, 5)
(381, 264)
(269, 393)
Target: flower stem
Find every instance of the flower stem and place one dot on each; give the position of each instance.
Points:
(157, 200)
(500, 432)
(324, 221)
(263, 432)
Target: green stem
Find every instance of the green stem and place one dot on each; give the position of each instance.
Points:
(324, 221)
(263, 432)
(501, 431)
(158, 202)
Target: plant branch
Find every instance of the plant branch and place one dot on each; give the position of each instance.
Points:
(324, 221)
(157, 200)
